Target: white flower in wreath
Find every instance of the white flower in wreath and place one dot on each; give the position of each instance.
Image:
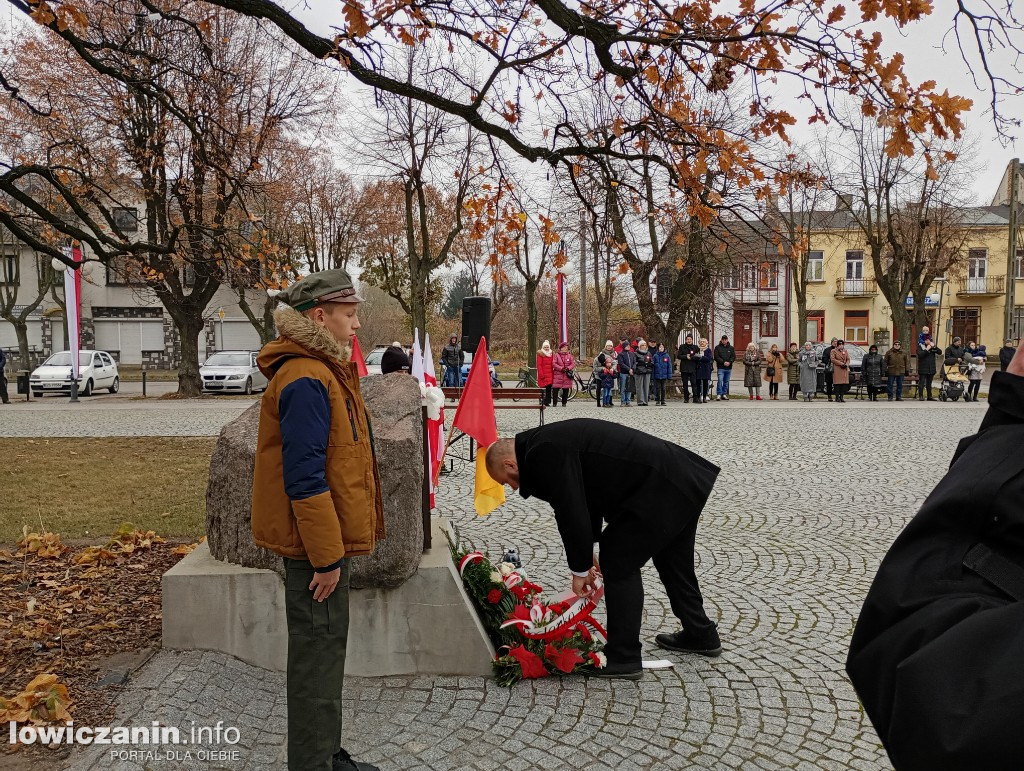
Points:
(536, 611)
(496, 577)
(507, 568)
(602, 660)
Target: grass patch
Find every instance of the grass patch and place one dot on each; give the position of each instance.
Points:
(85, 488)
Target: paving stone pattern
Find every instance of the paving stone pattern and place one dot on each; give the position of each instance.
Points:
(120, 417)
(808, 500)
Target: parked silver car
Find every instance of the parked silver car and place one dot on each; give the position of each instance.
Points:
(232, 371)
(96, 369)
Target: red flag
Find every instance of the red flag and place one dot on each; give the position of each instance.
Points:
(357, 357)
(475, 414)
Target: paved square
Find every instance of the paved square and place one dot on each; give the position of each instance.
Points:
(809, 499)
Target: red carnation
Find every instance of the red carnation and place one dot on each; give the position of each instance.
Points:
(563, 659)
(519, 592)
(494, 596)
(530, 664)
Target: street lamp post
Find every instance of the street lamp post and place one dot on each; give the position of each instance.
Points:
(60, 267)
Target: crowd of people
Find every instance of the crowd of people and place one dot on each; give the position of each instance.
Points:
(643, 369)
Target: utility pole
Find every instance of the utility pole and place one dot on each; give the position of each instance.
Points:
(583, 287)
(1011, 254)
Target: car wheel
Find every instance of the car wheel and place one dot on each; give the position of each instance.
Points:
(248, 386)
(88, 388)
(116, 385)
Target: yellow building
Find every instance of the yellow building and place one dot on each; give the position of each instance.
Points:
(843, 299)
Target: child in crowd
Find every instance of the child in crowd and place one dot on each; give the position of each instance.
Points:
(975, 372)
(925, 335)
(607, 381)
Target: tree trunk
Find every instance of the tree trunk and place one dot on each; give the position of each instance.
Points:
(801, 318)
(21, 329)
(901, 319)
(189, 326)
(531, 324)
(269, 327)
(418, 295)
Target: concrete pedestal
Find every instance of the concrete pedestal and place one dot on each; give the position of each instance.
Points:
(425, 626)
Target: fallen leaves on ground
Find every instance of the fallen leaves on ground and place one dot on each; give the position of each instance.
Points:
(64, 610)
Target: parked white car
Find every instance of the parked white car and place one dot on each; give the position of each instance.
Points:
(96, 370)
(232, 371)
(373, 359)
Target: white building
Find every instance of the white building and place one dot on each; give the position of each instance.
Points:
(118, 315)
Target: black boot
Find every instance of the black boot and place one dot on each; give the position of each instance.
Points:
(612, 670)
(342, 761)
(708, 644)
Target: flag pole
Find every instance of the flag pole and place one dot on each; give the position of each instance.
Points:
(444, 454)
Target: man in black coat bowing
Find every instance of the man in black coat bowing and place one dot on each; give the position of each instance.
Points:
(937, 656)
(650, 492)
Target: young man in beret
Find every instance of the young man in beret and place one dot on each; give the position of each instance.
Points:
(316, 500)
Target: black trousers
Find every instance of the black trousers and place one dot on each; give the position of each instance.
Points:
(547, 395)
(560, 392)
(317, 644)
(627, 545)
(773, 388)
(794, 389)
(972, 389)
(828, 383)
(924, 386)
(689, 380)
(3, 389)
(659, 390)
(701, 388)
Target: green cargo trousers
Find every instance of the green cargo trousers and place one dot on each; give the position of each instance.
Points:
(317, 642)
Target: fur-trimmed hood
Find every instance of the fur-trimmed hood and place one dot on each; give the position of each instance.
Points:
(299, 336)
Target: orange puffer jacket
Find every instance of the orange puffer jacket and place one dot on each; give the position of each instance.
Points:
(316, 488)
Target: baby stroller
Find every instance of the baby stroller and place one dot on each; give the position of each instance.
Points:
(954, 380)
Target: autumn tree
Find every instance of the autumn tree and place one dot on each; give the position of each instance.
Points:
(166, 125)
(912, 214)
(332, 217)
(429, 158)
(526, 62)
(792, 216)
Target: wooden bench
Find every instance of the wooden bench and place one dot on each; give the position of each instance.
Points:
(531, 398)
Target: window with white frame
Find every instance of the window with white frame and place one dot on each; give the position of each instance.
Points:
(977, 270)
(9, 266)
(815, 266)
(749, 275)
(768, 275)
(856, 327)
(731, 279)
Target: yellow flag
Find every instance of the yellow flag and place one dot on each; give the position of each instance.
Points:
(487, 494)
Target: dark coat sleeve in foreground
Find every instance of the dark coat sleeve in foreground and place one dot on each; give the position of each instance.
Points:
(937, 656)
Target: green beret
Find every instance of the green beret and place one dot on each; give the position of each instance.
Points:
(327, 286)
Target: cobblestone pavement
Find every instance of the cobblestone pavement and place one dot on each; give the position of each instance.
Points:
(808, 500)
(55, 417)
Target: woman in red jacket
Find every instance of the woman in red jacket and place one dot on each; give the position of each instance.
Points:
(545, 371)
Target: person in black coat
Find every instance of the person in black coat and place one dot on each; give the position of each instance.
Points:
(4, 398)
(926, 368)
(651, 511)
(688, 356)
(1006, 355)
(936, 654)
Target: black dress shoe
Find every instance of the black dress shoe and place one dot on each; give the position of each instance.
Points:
(342, 761)
(684, 642)
(617, 672)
